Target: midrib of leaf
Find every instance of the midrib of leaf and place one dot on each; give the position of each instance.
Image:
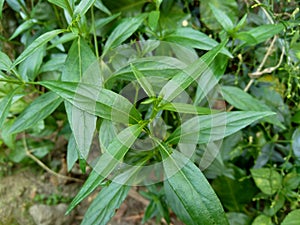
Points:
(70, 99)
(95, 177)
(185, 178)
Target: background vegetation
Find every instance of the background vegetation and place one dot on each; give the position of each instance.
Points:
(253, 49)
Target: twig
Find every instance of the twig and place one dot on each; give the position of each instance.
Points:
(259, 72)
(41, 164)
(133, 194)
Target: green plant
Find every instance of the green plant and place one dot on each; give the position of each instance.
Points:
(153, 104)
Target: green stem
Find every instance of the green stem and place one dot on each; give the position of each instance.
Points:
(94, 33)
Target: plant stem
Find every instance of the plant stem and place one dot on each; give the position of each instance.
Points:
(41, 164)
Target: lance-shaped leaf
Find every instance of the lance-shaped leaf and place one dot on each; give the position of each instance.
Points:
(244, 101)
(1, 7)
(99, 4)
(81, 65)
(204, 129)
(185, 78)
(222, 18)
(5, 61)
(5, 106)
(96, 100)
(105, 204)
(38, 110)
(188, 192)
(110, 197)
(195, 39)
(187, 108)
(72, 152)
(260, 34)
(83, 7)
(142, 80)
(123, 31)
(108, 162)
(65, 4)
(23, 27)
(36, 44)
(160, 66)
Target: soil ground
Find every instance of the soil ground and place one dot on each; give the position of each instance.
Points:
(20, 196)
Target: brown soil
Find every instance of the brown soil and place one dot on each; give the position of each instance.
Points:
(19, 191)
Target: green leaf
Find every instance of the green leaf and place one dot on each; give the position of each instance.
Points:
(244, 101)
(267, 180)
(160, 66)
(123, 31)
(188, 192)
(260, 34)
(81, 65)
(204, 129)
(23, 27)
(187, 108)
(38, 110)
(208, 17)
(194, 39)
(222, 18)
(96, 100)
(36, 44)
(108, 162)
(66, 37)
(65, 4)
(127, 7)
(82, 8)
(105, 204)
(103, 21)
(110, 197)
(293, 218)
(296, 143)
(153, 18)
(232, 192)
(29, 68)
(5, 106)
(185, 78)
(142, 80)
(1, 7)
(5, 62)
(262, 220)
(149, 212)
(56, 62)
(99, 4)
(210, 80)
(72, 152)
(238, 218)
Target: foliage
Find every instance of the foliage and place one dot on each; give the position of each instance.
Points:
(198, 101)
